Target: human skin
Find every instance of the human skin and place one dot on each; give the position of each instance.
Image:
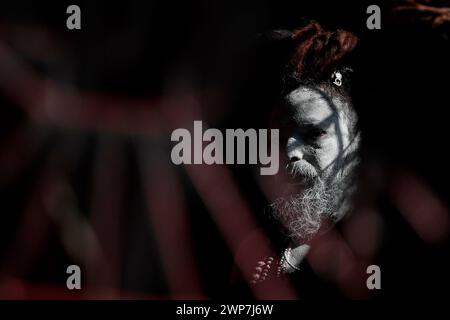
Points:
(316, 130)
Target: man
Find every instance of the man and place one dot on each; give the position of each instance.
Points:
(319, 132)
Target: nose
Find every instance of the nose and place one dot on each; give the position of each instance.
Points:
(295, 155)
(294, 150)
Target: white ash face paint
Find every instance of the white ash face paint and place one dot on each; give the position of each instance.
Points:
(319, 125)
(319, 140)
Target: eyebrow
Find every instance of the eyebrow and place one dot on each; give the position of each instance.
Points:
(307, 125)
(314, 123)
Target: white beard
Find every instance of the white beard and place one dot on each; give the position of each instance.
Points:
(302, 214)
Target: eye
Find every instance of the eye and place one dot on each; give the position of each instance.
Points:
(318, 132)
(315, 134)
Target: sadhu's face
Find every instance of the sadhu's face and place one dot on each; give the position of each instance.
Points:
(317, 129)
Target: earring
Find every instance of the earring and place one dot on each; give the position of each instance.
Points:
(337, 76)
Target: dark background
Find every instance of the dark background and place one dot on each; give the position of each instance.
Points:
(156, 51)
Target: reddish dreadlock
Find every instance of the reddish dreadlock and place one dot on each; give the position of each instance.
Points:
(318, 51)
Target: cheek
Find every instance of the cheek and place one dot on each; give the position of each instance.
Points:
(328, 152)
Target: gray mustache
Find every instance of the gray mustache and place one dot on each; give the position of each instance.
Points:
(303, 169)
